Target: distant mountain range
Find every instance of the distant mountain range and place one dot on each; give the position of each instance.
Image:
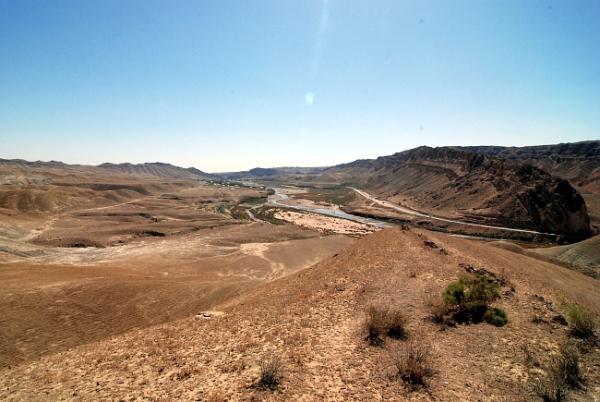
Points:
(158, 169)
(265, 173)
(577, 162)
(533, 187)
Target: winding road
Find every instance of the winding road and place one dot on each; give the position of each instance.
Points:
(408, 211)
(281, 199)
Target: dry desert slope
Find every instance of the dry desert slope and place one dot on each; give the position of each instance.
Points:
(313, 321)
(458, 184)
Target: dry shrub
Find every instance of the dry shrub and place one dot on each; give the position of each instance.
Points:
(551, 389)
(437, 309)
(562, 374)
(413, 364)
(504, 278)
(339, 286)
(583, 322)
(569, 364)
(384, 321)
(270, 373)
(294, 339)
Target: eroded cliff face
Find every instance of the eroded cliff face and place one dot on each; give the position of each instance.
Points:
(557, 207)
(531, 196)
(577, 162)
(451, 181)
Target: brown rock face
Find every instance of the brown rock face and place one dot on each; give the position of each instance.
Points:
(554, 205)
(578, 162)
(450, 181)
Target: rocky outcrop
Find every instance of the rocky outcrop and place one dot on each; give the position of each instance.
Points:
(554, 205)
(578, 162)
(447, 180)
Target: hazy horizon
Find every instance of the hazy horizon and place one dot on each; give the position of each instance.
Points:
(228, 86)
(252, 167)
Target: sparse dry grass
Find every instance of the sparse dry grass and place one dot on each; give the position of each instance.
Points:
(562, 374)
(583, 322)
(437, 309)
(384, 321)
(270, 373)
(413, 364)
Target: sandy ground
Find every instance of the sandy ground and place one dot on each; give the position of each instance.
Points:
(313, 321)
(324, 224)
(153, 290)
(81, 274)
(73, 296)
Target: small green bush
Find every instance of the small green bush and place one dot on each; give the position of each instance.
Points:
(454, 294)
(496, 316)
(469, 298)
(583, 323)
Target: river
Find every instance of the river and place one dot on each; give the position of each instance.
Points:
(280, 199)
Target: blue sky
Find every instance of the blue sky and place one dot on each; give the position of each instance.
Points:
(229, 85)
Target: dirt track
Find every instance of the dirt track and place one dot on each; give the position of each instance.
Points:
(408, 211)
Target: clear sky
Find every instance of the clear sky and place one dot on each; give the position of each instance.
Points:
(230, 85)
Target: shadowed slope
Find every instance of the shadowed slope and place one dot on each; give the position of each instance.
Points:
(455, 183)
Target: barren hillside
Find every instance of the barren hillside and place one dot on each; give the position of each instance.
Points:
(14, 168)
(585, 253)
(455, 183)
(313, 321)
(87, 253)
(578, 162)
(159, 169)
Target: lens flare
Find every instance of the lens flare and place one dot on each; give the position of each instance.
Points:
(309, 98)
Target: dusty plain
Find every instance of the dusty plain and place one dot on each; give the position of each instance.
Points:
(132, 286)
(79, 265)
